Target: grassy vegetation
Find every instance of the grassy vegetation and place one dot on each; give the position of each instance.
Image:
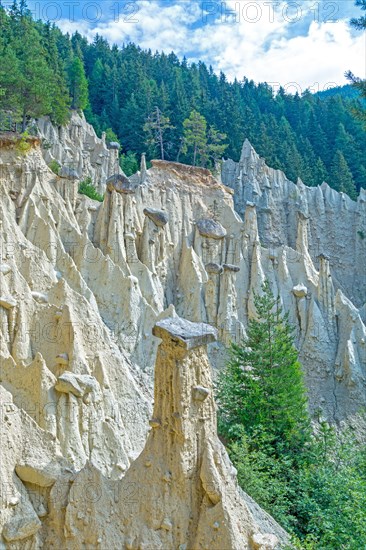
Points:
(87, 188)
(54, 166)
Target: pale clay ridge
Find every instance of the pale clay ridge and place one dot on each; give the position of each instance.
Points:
(181, 491)
(83, 284)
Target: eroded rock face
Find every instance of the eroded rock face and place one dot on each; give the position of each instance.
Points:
(182, 488)
(82, 285)
(335, 226)
(78, 151)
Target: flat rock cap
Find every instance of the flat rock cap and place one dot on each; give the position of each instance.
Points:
(67, 172)
(300, 290)
(211, 229)
(159, 217)
(214, 268)
(113, 145)
(119, 183)
(230, 267)
(185, 333)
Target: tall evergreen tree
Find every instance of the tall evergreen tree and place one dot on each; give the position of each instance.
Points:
(78, 84)
(357, 82)
(195, 138)
(60, 95)
(32, 71)
(341, 176)
(262, 385)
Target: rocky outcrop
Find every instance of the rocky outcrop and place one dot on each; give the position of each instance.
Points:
(194, 501)
(78, 151)
(181, 492)
(82, 285)
(336, 224)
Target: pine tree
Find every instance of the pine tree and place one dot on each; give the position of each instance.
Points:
(320, 172)
(262, 386)
(10, 100)
(195, 135)
(360, 23)
(60, 94)
(358, 83)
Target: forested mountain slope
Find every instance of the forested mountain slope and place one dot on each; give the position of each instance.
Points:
(44, 71)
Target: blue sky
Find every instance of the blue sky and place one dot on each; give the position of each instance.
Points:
(298, 44)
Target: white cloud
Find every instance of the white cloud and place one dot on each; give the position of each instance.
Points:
(317, 59)
(256, 40)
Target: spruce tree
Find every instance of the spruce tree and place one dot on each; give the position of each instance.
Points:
(60, 95)
(360, 22)
(78, 84)
(341, 176)
(262, 386)
(32, 72)
(357, 82)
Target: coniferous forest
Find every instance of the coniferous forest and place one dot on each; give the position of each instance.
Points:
(144, 99)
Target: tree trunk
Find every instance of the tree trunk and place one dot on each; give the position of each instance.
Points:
(24, 122)
(160, 133)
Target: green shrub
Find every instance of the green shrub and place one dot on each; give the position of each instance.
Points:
(87, 188)
(54, 166)
(129, 163)
(23, 146)
(46, 144)
(110, 136)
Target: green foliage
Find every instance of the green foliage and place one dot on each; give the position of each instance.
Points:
(31, 85)
(357, 83)
(320, 499)
(129, 163)
(360, 23)
(262, 384)
(331, 500)
(46, 145)
(110, 136)
(87, 188)
(23, 146)
(341, 176)
(361, 234)
(44, 72)
(194, 137)
(54, 166)
(78, 84)
(314, 485)
(205, 145)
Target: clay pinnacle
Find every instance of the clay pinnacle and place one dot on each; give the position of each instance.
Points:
(185, 333)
